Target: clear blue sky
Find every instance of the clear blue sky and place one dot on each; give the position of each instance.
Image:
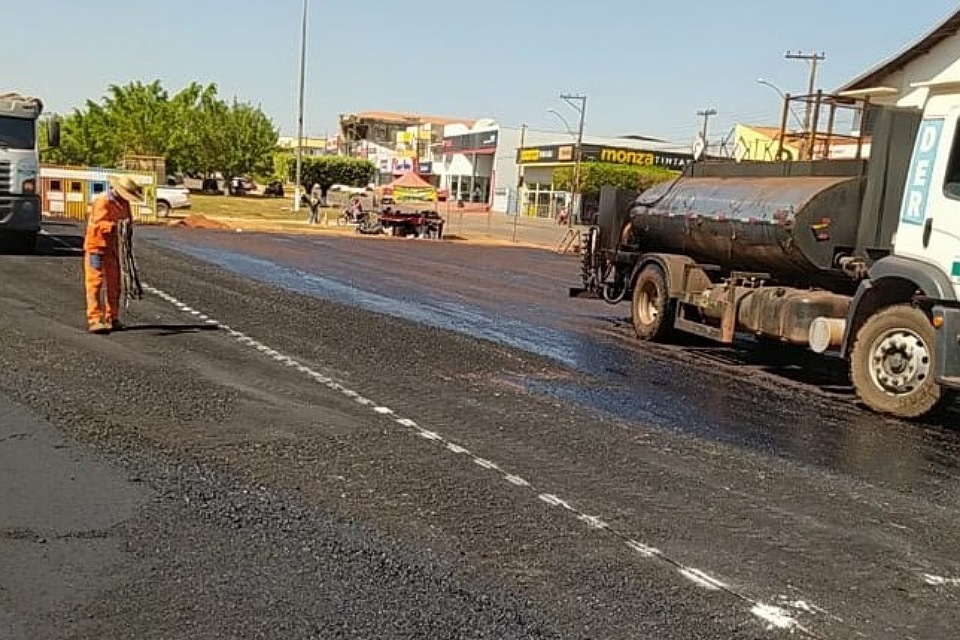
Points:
(646, 66)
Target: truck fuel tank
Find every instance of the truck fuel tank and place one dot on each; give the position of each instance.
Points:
(787, 314)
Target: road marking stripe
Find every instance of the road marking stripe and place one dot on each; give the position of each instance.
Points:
(774, 617)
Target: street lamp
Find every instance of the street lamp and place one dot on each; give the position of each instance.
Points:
(578, 103)
(784, 98)
(566, 125)
(303, 67)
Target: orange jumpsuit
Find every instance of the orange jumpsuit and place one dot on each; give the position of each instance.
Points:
(101, 260)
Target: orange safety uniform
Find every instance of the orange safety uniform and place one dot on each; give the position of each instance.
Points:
(101, 260)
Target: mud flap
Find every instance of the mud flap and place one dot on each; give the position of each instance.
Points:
(947, 363)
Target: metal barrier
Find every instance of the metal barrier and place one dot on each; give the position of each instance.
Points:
(68, 192)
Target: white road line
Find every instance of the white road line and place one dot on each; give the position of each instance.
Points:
(774, 618)
(938, 581)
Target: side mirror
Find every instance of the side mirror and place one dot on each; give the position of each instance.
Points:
(53, 132)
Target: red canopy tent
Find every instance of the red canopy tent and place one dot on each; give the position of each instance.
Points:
(410, 186)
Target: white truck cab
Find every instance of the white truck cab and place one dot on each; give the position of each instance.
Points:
(20, 213)
(929, 227)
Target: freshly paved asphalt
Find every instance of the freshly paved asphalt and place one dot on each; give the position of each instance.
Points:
(399, 439)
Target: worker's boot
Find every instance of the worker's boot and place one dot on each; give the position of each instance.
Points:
(116, 325)
(100, 327)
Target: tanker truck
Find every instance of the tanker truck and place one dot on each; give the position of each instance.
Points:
(20, 212)
(853, 258)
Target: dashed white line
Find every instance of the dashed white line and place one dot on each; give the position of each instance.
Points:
(702, 579)
(773, 617)
(939, 581)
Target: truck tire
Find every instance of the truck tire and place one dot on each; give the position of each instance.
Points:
(891, 363)
(652, 305)
(163, 208)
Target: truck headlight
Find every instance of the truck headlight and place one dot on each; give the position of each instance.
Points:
(29, 186)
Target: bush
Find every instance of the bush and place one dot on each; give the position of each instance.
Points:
(594, 175)
(330, 170)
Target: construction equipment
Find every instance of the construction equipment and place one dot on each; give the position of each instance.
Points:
(852, 258)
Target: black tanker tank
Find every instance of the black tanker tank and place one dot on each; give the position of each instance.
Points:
(761, 217)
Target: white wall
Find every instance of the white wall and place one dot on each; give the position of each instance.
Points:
(942, 64)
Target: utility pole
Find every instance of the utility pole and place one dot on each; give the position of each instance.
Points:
(516, 217)
(705, 114)
(814, 59)
(303, 68)
(578, 152)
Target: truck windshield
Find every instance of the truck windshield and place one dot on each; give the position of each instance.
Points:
(17, 133)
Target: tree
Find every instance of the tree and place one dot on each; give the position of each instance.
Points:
(594, 175)
(330, 170)
(193, 129)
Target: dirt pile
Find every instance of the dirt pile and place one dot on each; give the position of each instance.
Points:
(198, 221)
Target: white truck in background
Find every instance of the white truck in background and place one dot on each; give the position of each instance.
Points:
(20, 210)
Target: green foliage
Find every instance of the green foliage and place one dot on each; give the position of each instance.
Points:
(193, 129)
(283, 165)
(330, 170)
(594, 175)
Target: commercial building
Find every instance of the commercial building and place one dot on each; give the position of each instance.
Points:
(310, 146)
(483, 164)
(763, 144)
(395, 142)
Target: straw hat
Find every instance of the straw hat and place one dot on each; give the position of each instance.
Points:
(128, 189)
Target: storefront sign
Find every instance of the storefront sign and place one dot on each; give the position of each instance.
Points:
(485, 141)
(598, 153)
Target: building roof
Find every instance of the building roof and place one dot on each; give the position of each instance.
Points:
(409, 118)
(634, 136)
(874, 77)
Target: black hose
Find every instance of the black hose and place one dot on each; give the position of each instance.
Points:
(130, 276)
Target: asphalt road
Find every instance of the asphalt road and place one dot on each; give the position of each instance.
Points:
(333, 437)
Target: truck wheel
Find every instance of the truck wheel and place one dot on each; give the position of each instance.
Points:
(163, 208)
(651, 305)
(891, 363)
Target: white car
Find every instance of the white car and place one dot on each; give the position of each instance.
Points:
(172, 197)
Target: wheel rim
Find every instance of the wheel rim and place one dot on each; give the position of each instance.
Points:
(899, 362)
(648, 301)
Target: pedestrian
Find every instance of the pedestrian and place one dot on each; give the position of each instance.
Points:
(101, 260)
(316, 200)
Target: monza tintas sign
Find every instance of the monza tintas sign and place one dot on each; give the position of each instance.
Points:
(565, 153)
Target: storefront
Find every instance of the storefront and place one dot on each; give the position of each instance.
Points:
(467, 165)
(541, 197)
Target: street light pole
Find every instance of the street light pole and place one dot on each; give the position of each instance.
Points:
(578, 151)
(303, 66)
(516, 217)
(783, 97)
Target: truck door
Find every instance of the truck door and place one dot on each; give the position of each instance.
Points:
(929, 228)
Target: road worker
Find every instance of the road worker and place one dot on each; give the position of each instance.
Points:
(101, 260)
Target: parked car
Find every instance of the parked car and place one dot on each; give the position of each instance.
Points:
(274, 189)
(172, 197)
